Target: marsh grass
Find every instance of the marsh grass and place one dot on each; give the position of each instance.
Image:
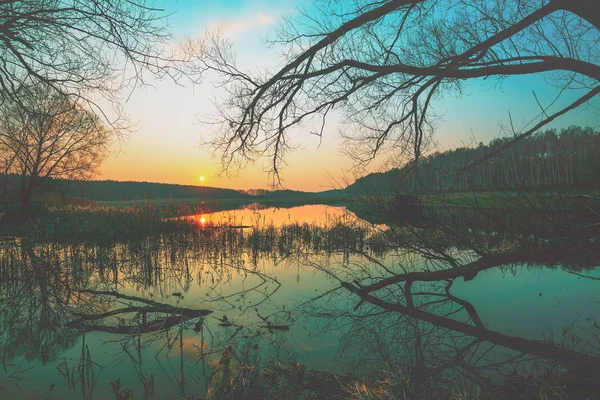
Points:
(158, 236)
(283, 380)
(291, 381)
(569, 199)
(105, 226)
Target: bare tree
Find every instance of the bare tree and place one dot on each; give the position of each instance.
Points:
(56, 138)
(86, 49)
(382, 64)
(90, 52)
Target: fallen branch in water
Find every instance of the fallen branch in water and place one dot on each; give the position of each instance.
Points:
(543, 349)
(175, 315)
(470, 270)
(155, 306)
(152, 326)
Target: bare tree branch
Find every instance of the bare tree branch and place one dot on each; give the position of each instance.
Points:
(384, 64)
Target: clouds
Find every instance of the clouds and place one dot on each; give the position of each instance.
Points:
(235, 27)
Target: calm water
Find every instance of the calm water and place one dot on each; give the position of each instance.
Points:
(274, 289)
(257, 215)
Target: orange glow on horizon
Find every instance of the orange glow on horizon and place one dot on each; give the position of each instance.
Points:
(173, 167)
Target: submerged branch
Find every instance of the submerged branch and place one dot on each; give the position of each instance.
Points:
(175, 315)
(470, 270)
(538, 348)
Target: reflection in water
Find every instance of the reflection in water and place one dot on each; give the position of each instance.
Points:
(256, 214)
(444, 301)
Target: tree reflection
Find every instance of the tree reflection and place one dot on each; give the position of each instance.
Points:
(36, 303)
(390, 288)
(405, 317)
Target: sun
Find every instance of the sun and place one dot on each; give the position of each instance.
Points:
(201, 179)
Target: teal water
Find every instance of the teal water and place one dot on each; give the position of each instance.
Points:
(294, 284)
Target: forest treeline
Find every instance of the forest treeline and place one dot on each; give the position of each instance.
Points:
(114, 190)
(553, 159)
(109, 190)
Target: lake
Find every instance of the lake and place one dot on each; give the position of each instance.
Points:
(313, 284)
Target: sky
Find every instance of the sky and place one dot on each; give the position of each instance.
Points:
(166, 144)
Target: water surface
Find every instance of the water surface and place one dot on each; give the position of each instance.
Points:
(275, 291)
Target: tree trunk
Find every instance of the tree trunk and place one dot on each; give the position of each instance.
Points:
(25, 200)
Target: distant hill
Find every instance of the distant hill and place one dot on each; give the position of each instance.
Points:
(108, 190)
(114, 190)
(285, 194)
(549, 160)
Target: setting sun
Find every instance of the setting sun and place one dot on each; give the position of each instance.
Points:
(201, 179)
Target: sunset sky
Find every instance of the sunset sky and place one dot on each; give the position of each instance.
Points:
(166, 145)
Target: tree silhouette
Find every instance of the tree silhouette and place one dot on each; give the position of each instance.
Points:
(55, 138)
(383, 63)
(546, 160)
(85, 49)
